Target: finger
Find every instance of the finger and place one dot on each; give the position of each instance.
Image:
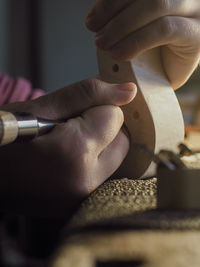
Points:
(92, 145)
(101, 125)
(111, 158)
(109, 8)
(180, 35)
(91, 132)
(103, 11)
(73, 100)
(135, 16)
(179, 63)
(167, 30)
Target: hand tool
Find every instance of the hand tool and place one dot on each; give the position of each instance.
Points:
(22, 126)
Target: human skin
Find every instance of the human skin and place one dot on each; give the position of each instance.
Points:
(127, 28)
(50, 175)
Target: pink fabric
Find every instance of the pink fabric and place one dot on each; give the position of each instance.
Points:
(16, 90)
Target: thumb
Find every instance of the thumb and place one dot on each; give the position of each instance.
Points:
(72, 100)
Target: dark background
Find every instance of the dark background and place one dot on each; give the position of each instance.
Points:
(47, 42)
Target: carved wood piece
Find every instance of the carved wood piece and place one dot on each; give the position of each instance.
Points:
(153, 118)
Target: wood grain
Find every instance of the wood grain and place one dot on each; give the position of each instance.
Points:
(153, 118)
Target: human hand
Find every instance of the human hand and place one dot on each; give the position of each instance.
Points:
(127, 28)
(53, 173)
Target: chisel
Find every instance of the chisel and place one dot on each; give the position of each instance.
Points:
(22, 126)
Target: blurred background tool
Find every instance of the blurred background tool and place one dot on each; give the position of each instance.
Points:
(22, 126)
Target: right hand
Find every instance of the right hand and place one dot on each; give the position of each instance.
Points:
(128, 28)
(54, 172)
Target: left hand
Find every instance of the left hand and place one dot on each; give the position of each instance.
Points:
(127, 28)
(53, 173)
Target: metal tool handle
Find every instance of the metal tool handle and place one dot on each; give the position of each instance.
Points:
(16, 125)
(22, 126)
(8, 128)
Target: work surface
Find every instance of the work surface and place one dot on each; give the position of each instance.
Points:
(118, 225)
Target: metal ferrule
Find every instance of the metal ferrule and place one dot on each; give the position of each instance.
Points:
(27, 125)
(30, 126)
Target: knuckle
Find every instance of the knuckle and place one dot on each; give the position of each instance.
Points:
(70, 138)
(89, 89)
(84, 150)
(162, 6)
(167, 26)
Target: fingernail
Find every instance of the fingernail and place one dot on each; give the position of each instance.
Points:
(127, 87)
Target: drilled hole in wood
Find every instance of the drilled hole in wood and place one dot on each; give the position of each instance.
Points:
(115, 68)
(136, 115)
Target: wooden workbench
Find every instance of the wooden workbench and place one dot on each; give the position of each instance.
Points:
(118, 225)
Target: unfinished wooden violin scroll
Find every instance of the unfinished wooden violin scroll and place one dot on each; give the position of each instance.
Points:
(153, 118)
